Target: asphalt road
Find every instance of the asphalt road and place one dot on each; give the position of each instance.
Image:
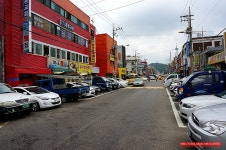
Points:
(132, 118)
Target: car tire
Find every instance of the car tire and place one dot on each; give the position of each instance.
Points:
(35, 107)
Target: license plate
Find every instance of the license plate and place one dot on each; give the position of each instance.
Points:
(25, 105)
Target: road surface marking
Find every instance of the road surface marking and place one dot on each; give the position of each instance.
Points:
(178, 119)
(1, 125)
(145, 87)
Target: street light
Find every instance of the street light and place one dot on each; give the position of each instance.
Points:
(114, 48)
(136, 60)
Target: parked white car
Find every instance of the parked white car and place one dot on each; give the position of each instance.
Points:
(188, 105)
(171, 78)
(44, 98)
(123, 83)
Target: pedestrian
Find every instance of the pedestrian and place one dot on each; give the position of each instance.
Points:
(156, 79)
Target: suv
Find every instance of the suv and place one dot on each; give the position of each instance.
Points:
(12, 102)
(102, 82)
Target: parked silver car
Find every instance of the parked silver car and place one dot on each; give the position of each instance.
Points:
(207, 127)
(189, 104)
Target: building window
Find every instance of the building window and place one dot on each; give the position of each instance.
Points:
(76, 38)
(76, 57)
(53, 52)
(84, 59)
(62, 12)
(87, 60)
(46, 50)
(74, 19)
(47, 3)
(38, 49)
(68, 55)
(53, 28)
(73, 56)
(33, 48)
(63, 54)
(58, 53)
(55, 7)
(80, 58)
(58, 31)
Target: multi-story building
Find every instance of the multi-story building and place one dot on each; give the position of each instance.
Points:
(107, 55)
(133, 64)
(43, 37)
(205, 52)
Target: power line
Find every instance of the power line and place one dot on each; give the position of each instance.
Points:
(117, 8)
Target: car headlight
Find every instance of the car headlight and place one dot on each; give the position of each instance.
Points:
(42, 98)
(215, 127)
(187, 105)
(8, 103)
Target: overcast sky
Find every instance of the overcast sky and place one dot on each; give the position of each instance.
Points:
(151, 27)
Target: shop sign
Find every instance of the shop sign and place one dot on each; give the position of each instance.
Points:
(66, 25)
(26, 36)
(84, 68)
(112, 57)
(196, 59)
(54, 63)
(26, 8)
(93, 52)
(95, 70)
(216, 58)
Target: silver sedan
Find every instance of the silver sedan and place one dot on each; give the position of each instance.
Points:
(207, 127)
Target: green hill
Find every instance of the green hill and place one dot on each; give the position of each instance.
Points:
(159, 67)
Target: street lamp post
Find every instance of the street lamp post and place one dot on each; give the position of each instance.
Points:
(136, 61)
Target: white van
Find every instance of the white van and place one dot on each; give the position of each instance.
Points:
(171, 78)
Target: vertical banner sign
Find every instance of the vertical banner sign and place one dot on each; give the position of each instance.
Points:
(26, 8)
(26, 36)
(225, 47)
(187, 48)
(93, 54)
(26, 26)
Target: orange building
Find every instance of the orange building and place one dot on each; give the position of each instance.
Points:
(106, 55)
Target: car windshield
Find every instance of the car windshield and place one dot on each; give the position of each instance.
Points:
(4, 88)
(221, 95)
(138, 79)
(37, 90)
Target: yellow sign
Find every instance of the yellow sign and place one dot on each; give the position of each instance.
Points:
(196, 59)
(80, 67)
(216, 58)
(84, 68)
(112, 57)
(93, 52)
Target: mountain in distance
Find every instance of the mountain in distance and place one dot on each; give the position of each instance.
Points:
(159, 67)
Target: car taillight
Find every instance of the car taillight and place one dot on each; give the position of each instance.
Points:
(181, 90)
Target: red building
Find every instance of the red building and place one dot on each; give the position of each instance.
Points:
(106, 55)
(42, 37)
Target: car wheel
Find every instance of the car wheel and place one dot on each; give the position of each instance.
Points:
(63, 99)
(35, 107)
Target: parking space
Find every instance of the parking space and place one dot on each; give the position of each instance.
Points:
(175, 106)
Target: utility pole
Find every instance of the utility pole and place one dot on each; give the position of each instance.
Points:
(189, 32)
(114, 48)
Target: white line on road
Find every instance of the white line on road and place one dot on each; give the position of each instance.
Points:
(178, 119)
(3, 124)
